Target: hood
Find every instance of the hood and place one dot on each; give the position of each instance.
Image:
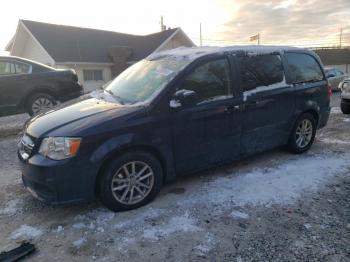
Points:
(66, 115)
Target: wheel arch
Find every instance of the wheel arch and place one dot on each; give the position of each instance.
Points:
(118, 152)
(38, 90)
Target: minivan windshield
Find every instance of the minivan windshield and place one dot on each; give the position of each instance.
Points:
(142, 81)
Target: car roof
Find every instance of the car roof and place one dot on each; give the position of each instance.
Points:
(192, 53)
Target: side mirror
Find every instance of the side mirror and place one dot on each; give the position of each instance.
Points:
(330, 75)
(183, 98)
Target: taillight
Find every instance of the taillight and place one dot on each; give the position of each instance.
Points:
(329, 89)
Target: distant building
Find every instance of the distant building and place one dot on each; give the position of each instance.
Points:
(339, 58)
(96, 55)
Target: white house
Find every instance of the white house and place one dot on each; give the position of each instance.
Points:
(96, 55)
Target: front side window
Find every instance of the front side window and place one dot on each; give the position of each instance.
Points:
(93, 75)
(210, 81)
(303, 68)
(7, 68)
(260, 70)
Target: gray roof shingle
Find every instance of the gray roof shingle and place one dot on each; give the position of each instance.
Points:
(76, 44)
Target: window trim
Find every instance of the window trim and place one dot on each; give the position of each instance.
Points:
(197, 63)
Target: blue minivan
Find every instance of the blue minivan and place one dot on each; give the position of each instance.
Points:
(174, 113)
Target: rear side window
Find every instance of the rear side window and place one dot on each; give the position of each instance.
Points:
(303, 68)
(7, 68)
(211, 81)
(261, 70)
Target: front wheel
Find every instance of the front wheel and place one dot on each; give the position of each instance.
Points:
(130, 181)
(303, 134)
(39, 103)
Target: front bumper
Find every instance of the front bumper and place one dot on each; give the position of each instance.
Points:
(56, 182)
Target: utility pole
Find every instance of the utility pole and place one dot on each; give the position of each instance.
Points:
(200, 34)
(259, 39)
(340, 36)
(162, 26)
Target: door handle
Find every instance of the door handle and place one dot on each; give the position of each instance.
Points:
(232, 108)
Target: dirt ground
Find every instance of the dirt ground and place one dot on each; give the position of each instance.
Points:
(273, 206)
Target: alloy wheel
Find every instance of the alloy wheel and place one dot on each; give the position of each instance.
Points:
(132, 182)
(303, 133)
(41, 104)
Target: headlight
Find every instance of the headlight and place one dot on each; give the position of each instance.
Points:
(345, 86)
(58, 148)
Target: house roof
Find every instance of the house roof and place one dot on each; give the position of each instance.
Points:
(76, 44)
(334, 56)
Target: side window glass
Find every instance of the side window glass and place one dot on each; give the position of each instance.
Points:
(7, 68)
(261, 70)
(303, 68)
(21, 68)
(210, 81)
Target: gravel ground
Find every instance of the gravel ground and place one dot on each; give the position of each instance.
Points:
(270, 207)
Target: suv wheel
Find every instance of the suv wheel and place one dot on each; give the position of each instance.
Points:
(39, 103)
(303, 134)
(345, 108)
(130, 181)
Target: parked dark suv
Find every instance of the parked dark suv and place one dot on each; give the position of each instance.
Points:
(27, 86)
(172, 114)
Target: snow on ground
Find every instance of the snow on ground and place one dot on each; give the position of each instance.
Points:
(11, 207)
(239, 214)
(15, 122)
(281, 185)
(333, 141)
(27, 232)
(176, 224)
(336, 110)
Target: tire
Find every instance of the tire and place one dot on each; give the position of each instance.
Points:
(115, 176)
(300, 140)
(345, 108)
(40, 101)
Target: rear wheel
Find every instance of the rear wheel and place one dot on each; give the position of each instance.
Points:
(130, 181)
(39, 103)
(303, 134)
(345, 108)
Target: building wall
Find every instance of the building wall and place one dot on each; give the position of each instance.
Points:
(25, 46)
(34, 52)
(90, 85)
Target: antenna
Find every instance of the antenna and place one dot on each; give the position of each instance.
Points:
(200, 34)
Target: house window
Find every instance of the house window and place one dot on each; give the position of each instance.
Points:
(93, 75)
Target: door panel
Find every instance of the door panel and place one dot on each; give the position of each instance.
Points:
(209, 131)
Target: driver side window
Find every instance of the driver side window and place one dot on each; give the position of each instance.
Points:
(210, 81)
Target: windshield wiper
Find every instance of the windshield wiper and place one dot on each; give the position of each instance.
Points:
(115, 96)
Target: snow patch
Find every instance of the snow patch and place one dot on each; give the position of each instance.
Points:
(258, 89)
(78, 243)
(10, 208)
(192, 53)
(346, 120)
(336, 110)
(138, 221)
(26, 231)
(176, 224)
(281, 185)
(239, 214)
(334, 141)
